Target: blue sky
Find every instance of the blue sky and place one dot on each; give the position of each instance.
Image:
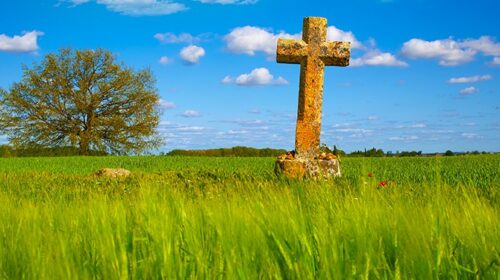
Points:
(424, 74)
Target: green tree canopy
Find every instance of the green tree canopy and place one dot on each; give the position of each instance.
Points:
(83, 99)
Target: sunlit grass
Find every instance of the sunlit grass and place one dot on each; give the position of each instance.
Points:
(232, 218)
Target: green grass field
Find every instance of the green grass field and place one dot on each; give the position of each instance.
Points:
(232, 218)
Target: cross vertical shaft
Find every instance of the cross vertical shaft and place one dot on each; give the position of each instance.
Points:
(313, 53)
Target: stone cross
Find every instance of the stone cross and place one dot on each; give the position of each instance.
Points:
(313, 53)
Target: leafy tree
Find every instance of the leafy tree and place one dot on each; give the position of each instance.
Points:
(6, 151)
(82, 99)
(449, 153)
(229, 152)
(338, 152)
(410, 154)
(325, 149)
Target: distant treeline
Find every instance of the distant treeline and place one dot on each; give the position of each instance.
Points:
(229, 152)
(373, 152)
(40, 151)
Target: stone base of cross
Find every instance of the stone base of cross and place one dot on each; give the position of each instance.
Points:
(298, 168)
(313, 53)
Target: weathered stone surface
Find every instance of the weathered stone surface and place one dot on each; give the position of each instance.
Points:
(313, 53)
(113, 172)
(308, 168)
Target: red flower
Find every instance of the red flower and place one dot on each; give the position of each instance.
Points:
(370, 174)
(383, 183)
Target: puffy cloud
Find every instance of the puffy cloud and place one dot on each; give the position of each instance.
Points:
(449, 52)
(226, 2)
(192, 54)
(251, 40)
(165, 60)
(139, 7)
(495, 61)
(335, 34)
(24, 43)
(377, 58)
(227, 80)
(164, 104)
(153, 7)
(258, 77)
(191, 114)
(469, 90)
(471, 79)
(484, 44)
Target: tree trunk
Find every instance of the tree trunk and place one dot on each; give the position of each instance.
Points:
(86, 134)
(84, 146)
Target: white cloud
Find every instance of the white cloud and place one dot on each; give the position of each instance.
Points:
(192, 54)
(190, 128)
(451, 52)
(471, 136)
(227, 80)
(495, 61)
(335, 34)
(254, 111)
(165, 60)
(258, 77)
(377, 58)
(139, 7)
(448, 51)
(469, 90)
(24, 43)
(484, 44)
(419, 125)
(164, 104)
(471, 79)
(226, 2)
(415, 125)
(404, 138)
(78, 2)
(251, 40)
(191, 114)
(354, 130)
(171, 38)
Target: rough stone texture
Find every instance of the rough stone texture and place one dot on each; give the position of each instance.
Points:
(308, 168)
(113, 172)
(313, 53)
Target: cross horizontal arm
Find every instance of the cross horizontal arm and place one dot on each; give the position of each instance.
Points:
(291, 51)
(336, 53)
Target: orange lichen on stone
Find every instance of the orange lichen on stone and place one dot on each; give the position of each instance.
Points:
(310, 168)
(113, 172)
(323, 165)
(313, 53)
